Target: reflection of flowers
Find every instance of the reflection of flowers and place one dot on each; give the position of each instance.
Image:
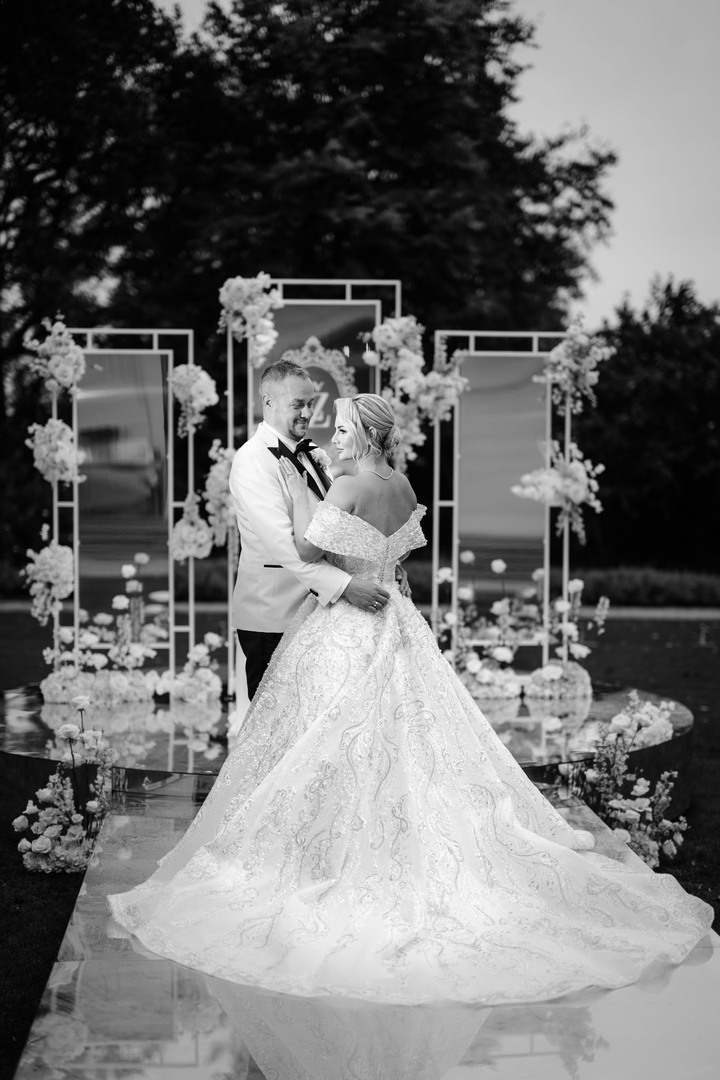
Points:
(195, 391)
(192, 538)
(567, 485)
(59, 361)
(129, 727)
(55, 1040)
(51, 577)
(247, 308)
(558, 680)
(571, 368)
(197, 682)
(102, 687)
(195, 721)
(218, 503)
(55, 454)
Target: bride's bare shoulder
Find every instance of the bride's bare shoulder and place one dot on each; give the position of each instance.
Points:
(343, 493)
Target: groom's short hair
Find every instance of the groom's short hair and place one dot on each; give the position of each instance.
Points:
(279, 372)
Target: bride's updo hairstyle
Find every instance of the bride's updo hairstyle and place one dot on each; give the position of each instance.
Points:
(371, 422)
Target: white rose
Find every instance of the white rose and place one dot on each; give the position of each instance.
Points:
(575, 585)
(498, 566)
(473, 664)
(120, 603)
(561, 606)
(502, 654)
(450, 618)
(465, 594)
(68, 731)
(42, 845)
(102, 619)
(92, 806)
(66, 635)
(128, 571)
(140, 558)
(538, 575)
(444, 575)
(579, 651)
(467, 557)
(371, 358)
(552, 672)
(669, 849)
(500, 607)
(44, 794)
(21, 823)
(213, 641)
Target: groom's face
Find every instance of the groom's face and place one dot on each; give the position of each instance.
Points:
(289, 405)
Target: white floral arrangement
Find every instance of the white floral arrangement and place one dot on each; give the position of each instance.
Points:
(218, 501)
(195, 391)
(197, 683)
(56, 457)
(59, 360)
(566, 485)
(571, 368)
(247, 306)
(413, 395)
(50, 575)
(636, 816)
(565, 626)
(60, 829)
(192, 537)
(642, 723)
(197, 722)
(558, 680)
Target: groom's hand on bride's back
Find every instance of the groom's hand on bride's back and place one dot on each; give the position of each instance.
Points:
(365, 594)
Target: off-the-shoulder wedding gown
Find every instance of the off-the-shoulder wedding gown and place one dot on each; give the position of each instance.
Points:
(370, 835)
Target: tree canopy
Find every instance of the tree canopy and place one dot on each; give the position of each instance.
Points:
(657, 429)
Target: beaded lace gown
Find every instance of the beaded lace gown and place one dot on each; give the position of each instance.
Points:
(369, 835)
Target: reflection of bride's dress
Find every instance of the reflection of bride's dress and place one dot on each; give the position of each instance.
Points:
(370, 835)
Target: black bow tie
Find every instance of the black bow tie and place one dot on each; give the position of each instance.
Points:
(305, 446)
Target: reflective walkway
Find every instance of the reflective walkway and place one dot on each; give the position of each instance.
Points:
(111, 1011)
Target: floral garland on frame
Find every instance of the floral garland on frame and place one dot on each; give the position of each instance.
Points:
(59, 361)
(218, 501)
(571, 369)
(195, 391)
(567, 484)
(56, 457)
(413, 395)
(192, 537)
(247, 306)
(50, 575)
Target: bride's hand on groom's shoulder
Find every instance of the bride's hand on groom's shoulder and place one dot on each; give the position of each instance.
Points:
(294, 483)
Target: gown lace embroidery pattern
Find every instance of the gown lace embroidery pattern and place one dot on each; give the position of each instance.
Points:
(369, 835)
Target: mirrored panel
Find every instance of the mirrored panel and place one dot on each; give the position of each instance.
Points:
(337, 325)
(502, 432)
(123, 502)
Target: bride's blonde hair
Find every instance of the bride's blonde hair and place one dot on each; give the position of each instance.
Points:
(371, 422)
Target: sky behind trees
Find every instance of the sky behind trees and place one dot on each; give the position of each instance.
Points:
(643, 75)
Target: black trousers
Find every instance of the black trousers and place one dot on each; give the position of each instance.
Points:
(258, 648)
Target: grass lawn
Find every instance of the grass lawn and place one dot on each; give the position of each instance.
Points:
(674, 657)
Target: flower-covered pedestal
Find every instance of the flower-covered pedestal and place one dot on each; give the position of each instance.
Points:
(559, 681)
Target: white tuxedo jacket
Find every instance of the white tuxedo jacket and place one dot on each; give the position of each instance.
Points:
(272, 579)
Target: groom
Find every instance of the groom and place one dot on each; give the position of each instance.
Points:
(272, 579)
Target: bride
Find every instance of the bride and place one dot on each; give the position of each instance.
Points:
(369, 835)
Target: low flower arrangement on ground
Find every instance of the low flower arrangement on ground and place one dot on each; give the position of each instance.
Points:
(623, 799)
(59, 828)
(482, 648)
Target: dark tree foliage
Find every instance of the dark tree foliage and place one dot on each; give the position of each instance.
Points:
(78, 89)
(362, 138)
(657, 429)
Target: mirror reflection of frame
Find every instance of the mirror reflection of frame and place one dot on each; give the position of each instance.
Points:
(337, 324)
(123, 502)
(502, 419)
